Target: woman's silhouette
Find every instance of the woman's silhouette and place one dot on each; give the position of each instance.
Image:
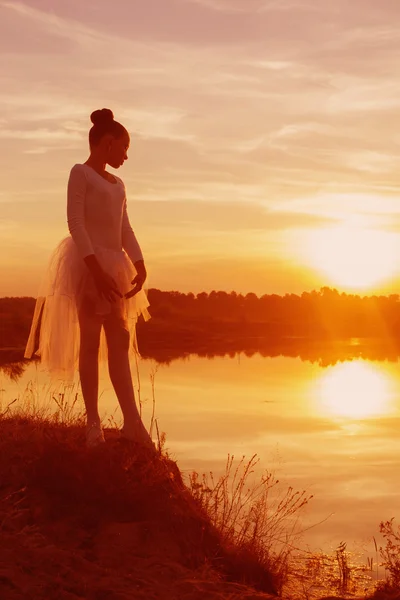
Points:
(88, 306)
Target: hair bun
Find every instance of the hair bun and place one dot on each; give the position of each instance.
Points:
(102, 116)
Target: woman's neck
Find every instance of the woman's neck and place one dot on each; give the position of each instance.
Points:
(97, 163)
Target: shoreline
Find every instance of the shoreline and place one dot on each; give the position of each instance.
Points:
(164, 347)
(114, 523)
(109, 523)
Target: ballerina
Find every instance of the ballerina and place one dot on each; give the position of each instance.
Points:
(88, 308)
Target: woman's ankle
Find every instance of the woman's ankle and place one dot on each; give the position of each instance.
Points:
(93, 421)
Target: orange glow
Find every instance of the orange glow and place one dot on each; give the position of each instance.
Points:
(354, 390)
(238, 162)
(353, 257)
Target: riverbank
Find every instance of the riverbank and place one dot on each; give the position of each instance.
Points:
(116, 523)
(111, 524)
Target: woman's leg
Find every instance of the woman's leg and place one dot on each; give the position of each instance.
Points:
(117, 335)
(90, 329)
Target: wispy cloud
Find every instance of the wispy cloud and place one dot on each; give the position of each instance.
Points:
(39, 135)
(232, 6)
(255, 6)
(54, 25)
(254, 105)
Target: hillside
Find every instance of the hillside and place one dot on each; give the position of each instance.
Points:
(110, 524)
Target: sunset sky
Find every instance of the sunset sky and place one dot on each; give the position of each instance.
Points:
(265, 137)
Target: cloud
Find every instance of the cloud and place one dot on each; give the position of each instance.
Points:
(255, 6)
(372, 162)
(39, 135)
(232, 6)
(54, 25)
(162, 123)
(334, 205)
(291, 106)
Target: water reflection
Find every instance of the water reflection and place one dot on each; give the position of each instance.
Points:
(323, 353)
(13, 370)
(355, 390)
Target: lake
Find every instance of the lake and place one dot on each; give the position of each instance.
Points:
(332, 431)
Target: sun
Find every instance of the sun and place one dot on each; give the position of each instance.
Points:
(353, 257)
(354, 390)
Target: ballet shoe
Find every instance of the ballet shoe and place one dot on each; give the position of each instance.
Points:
(94, 436)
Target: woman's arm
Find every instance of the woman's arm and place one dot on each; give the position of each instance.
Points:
(133, 250)
(76, 192)
(129, 241)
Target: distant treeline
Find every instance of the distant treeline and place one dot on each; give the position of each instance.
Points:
(317, 314)
(182, 318)
(15, 319)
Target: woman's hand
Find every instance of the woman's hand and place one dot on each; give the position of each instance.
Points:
(106, 286)
(139, 279)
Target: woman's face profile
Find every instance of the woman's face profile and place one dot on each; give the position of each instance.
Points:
(118, 149)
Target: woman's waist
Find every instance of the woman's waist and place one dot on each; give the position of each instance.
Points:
(102, 247)
(106, 243)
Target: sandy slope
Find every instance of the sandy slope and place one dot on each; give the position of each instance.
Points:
(105, 525)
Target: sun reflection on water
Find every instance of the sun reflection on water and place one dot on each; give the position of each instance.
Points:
(354, 390)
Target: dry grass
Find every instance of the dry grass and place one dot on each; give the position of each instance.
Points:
(257, 517)
(115, 523)
(390, 555)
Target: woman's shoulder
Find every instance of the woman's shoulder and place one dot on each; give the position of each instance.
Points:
(77, 168)
(84, 168)
(118, 179)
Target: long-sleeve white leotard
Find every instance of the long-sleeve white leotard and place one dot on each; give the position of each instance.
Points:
(97, 214)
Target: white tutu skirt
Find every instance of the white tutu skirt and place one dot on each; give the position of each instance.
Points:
(54, 334)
